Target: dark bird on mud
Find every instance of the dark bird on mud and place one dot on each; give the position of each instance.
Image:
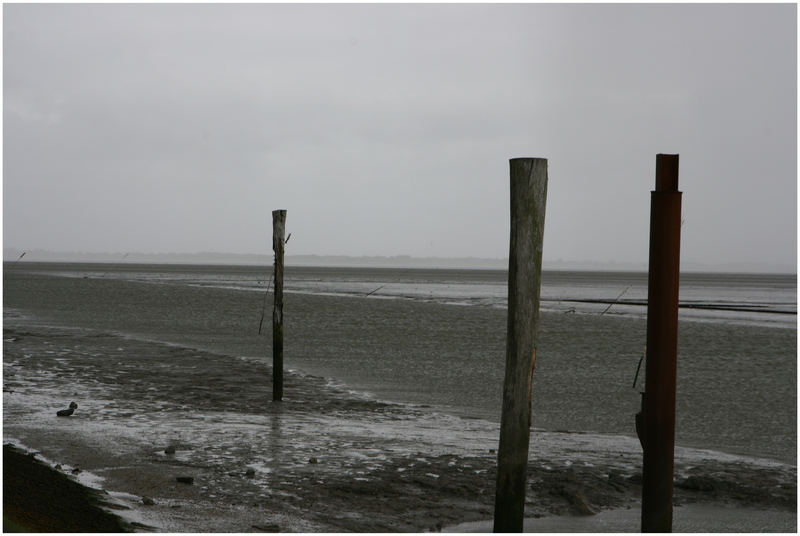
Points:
(67, 412)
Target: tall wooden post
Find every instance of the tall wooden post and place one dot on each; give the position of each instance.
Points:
(658, 412)
(278, 230)
(528, 196)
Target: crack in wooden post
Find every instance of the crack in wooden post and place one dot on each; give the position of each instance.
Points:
(530, 387)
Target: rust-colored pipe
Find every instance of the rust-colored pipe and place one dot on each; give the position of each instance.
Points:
(658, 417)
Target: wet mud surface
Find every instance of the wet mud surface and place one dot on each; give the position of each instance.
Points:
(324, 459)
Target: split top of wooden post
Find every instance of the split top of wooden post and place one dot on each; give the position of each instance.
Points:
(278, 229)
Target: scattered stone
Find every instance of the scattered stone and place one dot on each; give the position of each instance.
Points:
(272, 527)
(67, 412)
(313, 460)
(250, 473)
(147, 501)
(696, 483)
(76, 470)
(185, 479)
(170, 450)
(58, 467)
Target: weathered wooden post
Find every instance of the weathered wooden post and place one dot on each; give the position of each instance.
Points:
(528, 196)
(658, 412)
(278, 229)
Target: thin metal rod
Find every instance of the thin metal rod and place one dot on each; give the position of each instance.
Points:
(264, 305)
(615, 301)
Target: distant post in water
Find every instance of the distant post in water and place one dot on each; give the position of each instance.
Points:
(658, 411)
(528, 196)
(278, 241)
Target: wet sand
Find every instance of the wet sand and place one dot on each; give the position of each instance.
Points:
(435, 493)
(360, 481)
(689, 518)
(324, 459)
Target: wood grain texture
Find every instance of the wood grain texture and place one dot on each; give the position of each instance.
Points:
(278, 241)
(528, 199)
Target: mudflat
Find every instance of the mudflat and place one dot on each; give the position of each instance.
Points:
(176, 420)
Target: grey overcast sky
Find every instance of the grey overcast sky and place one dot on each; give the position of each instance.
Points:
(387, 129)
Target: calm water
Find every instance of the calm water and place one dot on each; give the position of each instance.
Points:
(437, 338)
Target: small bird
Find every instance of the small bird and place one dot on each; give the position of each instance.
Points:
(67, 412)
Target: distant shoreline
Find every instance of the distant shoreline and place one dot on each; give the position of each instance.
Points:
(12, 256)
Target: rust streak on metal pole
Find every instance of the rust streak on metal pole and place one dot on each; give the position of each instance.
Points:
(658, 415)
(528, 196)
(278, 229)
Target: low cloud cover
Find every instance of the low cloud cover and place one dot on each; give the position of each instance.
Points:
(387, 129)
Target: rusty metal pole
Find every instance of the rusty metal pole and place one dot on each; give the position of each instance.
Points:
(528, 196)
(278, 229)
(658, 412)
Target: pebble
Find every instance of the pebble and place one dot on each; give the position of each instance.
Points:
(185, 479)
(313, 460)
(170, 450)
(147, 501)
(76, 470)
(250, 473)
(272, 527)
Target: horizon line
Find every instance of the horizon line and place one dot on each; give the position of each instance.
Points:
(13, 255)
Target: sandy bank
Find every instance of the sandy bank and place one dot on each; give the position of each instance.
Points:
(37, 498)
(689, 518)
